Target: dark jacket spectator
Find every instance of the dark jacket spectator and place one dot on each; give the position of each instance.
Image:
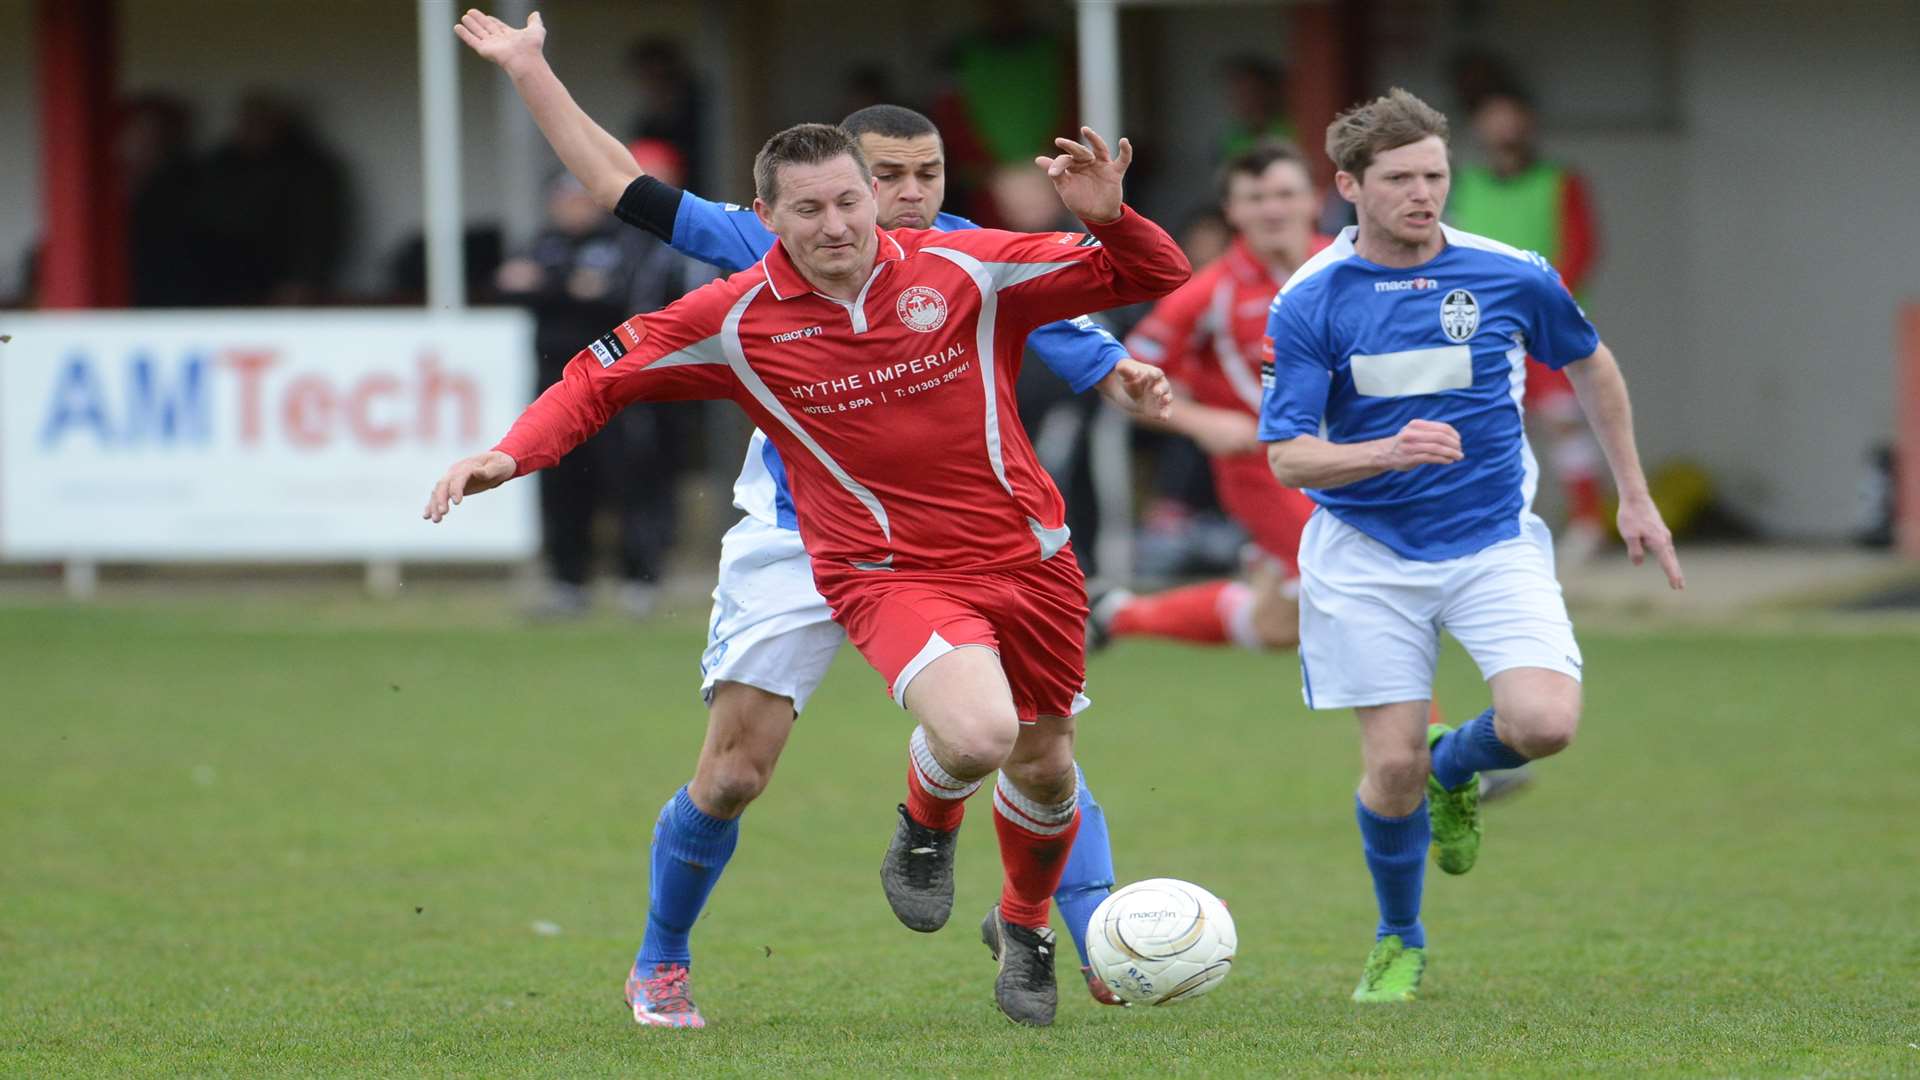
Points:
(275, 205)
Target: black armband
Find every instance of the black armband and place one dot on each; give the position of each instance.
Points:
(651, 204)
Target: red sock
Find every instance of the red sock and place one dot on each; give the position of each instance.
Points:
(931, 810)
(1034, 841)
(1583, 499)
(1191, 613)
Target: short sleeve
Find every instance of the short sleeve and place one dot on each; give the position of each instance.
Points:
(1561, 333)
(728, 236)
(1077, 350)
(1295, 375)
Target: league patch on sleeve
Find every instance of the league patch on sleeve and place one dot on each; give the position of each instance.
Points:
(609, 347)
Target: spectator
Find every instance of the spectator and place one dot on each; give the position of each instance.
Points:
(1256, 105)
(583, 275)
(670, 102)
(863, 86)
(1521, 198)
(1007, 99)
(163, 235)
(275, 207)
(481, 246)
(1204, 235)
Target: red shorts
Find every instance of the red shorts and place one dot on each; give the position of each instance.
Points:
(1272, 513)
(1034, 617)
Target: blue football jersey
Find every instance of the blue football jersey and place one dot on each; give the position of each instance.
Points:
(1360, 349)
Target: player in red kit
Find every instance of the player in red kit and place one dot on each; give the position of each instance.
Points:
(882, 365)
(1208, 336)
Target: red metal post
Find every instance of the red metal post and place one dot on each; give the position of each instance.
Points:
(83, 263)
(1320, 77)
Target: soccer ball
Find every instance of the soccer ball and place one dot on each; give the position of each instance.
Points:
(1159, 941)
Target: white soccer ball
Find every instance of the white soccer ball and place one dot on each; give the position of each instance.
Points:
(1159, 941)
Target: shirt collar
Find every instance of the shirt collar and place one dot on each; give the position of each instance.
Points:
(785, 280)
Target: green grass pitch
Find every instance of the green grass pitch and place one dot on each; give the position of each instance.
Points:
(267, 840)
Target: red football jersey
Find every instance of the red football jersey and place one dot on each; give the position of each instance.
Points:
(894, 412)
(1208, 334)
(1210, 337)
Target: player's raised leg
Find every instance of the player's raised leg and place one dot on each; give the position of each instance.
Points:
(695, 837)
(1391, 808)
(1036, 816)
(1505, 607)
(967, 727)
(1541, 714)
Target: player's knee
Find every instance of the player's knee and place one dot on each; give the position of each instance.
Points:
(735, 780)
(1400, 770)
(1044, 772)
(979, 747)
(747, 729)
(1547, 728)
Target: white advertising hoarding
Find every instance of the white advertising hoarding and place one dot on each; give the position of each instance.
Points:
(272, 436)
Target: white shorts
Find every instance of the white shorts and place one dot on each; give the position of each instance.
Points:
(770, 627)
(1370, 620)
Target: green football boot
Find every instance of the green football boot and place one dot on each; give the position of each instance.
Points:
(1392, 974)
(1455, 814)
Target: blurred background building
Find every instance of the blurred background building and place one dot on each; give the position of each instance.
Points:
(1746, 164)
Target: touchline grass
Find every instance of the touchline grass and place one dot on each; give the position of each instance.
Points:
(269, 842)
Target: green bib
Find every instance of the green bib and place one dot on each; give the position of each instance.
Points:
(1522, 210)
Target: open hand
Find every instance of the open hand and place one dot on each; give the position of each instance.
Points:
(499, 42)
(468, 476)
(1087, 176)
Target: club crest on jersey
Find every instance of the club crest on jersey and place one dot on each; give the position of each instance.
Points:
(923, 310)
(1459, 315)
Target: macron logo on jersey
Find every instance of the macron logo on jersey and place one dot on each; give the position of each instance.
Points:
(1419, 284)
(795, 335)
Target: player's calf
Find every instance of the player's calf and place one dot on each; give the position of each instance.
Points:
(1036, 816)
(917, 871)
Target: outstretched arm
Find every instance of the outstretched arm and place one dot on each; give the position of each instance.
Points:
(673, 354)
(595, 158)
(1602, 390)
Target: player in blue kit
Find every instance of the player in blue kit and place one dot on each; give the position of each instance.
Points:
(771, 638)
(1393, 396)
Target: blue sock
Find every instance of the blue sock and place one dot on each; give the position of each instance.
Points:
(1397, 858)
(690, 849)
(1472, 748)
(1088, 877)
